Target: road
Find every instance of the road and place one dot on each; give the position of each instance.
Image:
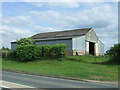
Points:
(48, 82)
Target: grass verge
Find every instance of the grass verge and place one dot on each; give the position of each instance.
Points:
(67, 68)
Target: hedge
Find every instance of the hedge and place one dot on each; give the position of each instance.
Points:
(25, 53)
(25, 41)
(46, 51)
(58, 50)
(32, 52)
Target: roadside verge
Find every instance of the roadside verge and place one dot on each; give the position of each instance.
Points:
(62, 77)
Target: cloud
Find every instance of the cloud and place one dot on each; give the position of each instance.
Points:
(60, 1)
(20, 32)
(108, 35)
(10, 33)
(52, 17)
(96, 17)
(41, 29)
(18, 21)
(14, 32)
(56, 4)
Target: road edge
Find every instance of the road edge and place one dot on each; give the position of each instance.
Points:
(62, 77)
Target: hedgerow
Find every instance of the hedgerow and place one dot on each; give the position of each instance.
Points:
(46, 51)
(26, 53)
(25, 41)
(32, 52)
(58, 50)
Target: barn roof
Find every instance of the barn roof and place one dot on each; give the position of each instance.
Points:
(62, 34)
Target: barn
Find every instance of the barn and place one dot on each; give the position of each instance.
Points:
(78, 41)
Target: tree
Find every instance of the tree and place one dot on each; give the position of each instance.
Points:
(3, 49)
(114, 53)
(25, 41)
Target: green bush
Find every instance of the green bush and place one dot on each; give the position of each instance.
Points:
(58, 50)
(114, 53)
(32, 52)
(4, 49)
(46, 51)
(12, 54)
(38, 51)
(25, 41)
(26, 53)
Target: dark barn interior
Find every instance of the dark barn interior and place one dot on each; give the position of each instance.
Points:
(92, 48)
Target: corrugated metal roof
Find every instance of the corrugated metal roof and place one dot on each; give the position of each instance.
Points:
(59, 34)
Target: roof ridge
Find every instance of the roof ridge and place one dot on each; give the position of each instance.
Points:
(75, 32)
(65, 31)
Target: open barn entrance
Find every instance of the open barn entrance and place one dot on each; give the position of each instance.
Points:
(92, 48)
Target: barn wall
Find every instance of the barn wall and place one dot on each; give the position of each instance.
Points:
(68, 42)
(91, 36)
(78, 43)
(13, 46)
(100, 48)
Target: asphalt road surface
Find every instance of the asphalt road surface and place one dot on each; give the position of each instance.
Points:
(48, 82)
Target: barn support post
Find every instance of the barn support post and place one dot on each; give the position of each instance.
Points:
(96, 49)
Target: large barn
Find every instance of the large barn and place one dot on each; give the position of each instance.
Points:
(78, 41)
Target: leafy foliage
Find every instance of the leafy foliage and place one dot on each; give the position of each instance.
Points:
(12, 54)
(25, 41)
(38, 51)
(32, 52)
(58, 50)
(114, 53)
(25, 53)
(46, 51)
(4, 49)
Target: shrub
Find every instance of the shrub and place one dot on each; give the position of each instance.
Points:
(114, 53)
(25, 53)
(46, 50)
(4, 49)
(58, 50)
(38, 51)
(32, 52)
(12, 54)
(25, 41)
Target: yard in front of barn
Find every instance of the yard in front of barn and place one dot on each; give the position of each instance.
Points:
(83, 67)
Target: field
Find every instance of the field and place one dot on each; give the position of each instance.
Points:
(83, 67)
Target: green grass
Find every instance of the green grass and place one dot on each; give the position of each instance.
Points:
(66, 68)
(89, 58)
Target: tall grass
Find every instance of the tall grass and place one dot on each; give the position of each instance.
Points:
(89, 58)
